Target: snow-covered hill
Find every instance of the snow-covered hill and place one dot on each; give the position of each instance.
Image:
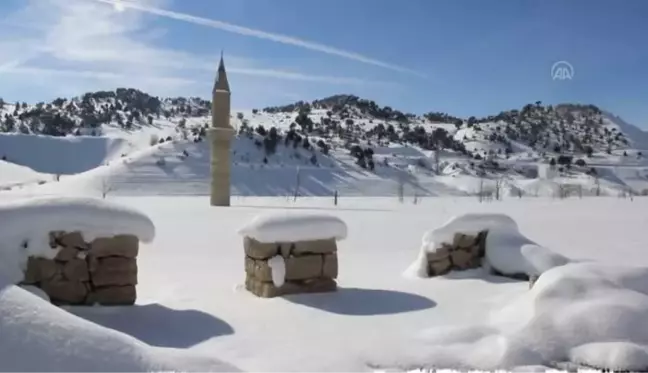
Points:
(135, 144)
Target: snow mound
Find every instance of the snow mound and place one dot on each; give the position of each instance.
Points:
(292, 226)
(39, 337)
(507, 250)
(26, 224)
(278, 267)
(583, 313)
(12, 174)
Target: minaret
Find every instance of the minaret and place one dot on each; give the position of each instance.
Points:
(220, 135)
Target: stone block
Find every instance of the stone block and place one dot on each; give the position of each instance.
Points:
(259, 250)
(314, 247)
(258, 269)
(475, 251)
(268, 290)
(61, 291)
(53, 238)
(439, 267)
(40, 269)
(304, 267)
(76, 270)
(114, 271)
(463, 241)
(440, 253)
(121, 245)
(461, 259)
(330, 267)
(73, 239)
(66, 254)
(481, 243)
(113, 296)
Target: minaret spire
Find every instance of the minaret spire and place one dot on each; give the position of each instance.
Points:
(221, 83)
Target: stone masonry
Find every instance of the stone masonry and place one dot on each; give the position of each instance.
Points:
(103, 271)
(220, 136)
(311, 267)
(464, 252)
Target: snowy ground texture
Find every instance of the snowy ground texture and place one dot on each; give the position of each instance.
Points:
(194, 314)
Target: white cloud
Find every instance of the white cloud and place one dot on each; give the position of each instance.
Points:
(84, 40)
(240, 30)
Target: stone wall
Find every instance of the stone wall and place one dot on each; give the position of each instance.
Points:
(103, 271)
(311, 267)
(464, 252)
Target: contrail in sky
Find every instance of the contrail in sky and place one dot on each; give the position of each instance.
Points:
(279, 38)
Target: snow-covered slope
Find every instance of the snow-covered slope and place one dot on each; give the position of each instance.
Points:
(14, 174)
(341, 144)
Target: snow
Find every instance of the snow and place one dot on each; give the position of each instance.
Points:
(191, 293)
(61, 155)
(507, 250)
(586, 313)
(26, 225)
(278, 267)
(12, 174)
(294, 226)
(37, 336)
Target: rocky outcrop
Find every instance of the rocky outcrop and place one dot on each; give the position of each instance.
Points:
(464, 252)
(310, 267)
(103, 271)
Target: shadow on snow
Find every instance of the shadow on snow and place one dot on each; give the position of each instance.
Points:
(363, 302)
(156, 324)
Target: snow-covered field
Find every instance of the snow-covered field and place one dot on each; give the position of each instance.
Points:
(191, 295)
(193, 312)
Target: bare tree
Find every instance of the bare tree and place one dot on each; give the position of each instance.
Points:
(105, 186)
(401, 187)
(437, 158)
(597, 182)
(579, 189)
(498, 188)
(297, 183)
(563, 191)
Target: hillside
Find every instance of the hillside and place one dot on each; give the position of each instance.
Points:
(141, 145)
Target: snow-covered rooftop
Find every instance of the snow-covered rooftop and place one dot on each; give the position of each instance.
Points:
(26, 224)
(291, 226)
(93, 217)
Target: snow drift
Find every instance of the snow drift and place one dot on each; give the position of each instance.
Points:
(37, 336)
(292, 226)
(13, 174)
(589, 314)
(26, 224)
(60, 155)
(507, 250)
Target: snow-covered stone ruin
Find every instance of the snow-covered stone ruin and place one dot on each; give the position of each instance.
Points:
(77, 251)
(492, 241)
(291, 253)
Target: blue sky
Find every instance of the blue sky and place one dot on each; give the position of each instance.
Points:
(464, 57)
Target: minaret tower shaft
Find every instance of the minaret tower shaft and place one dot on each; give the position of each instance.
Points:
(220, 135)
